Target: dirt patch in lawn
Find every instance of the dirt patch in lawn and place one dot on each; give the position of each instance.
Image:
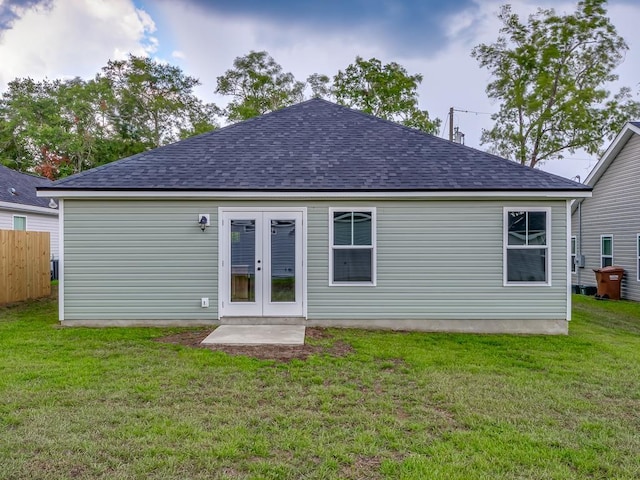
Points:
(317, 342)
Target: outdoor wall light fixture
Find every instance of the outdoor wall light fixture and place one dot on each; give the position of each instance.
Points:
(203, 221)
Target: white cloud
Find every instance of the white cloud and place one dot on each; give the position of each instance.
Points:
(74, 38)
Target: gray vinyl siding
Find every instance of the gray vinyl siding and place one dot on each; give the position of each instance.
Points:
(613, 209)
(438, 260)
(138, 260)
(148, 259)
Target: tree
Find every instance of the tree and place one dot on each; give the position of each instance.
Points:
(153, 103)
(57, 127)
(320, 85)
(549, 76)
(31, 126)
(258, 85)
(386, 91)
(83, 109)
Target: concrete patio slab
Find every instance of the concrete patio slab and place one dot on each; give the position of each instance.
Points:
(256, 335)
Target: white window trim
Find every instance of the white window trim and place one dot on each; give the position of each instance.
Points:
(573, 253)
(505, 246)
(61, 260)
(374, 249)
(638, 257)
(223, 284)
(608, 235)
(13, 222)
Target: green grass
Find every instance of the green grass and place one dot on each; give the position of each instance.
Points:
(113, 403)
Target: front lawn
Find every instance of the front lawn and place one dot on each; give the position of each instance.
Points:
(115, 403)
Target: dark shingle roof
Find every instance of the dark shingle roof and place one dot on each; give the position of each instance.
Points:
(24, 188)
(315, 146)
(635, 124)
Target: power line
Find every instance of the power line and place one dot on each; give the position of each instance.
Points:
(450, 120)
(444, 124)
(472, 111)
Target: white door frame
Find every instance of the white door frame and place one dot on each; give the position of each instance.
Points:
(224, 249)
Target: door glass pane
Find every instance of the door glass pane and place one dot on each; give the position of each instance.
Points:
(283, 260)
(243, 260)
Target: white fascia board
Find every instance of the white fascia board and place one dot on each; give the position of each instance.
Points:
(618, 143)
(18, 207)
(159, 194)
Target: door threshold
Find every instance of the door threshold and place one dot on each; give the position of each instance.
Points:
(263, 321)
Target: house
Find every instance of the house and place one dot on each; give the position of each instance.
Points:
(22, 209)
(321, 215)
(606, 227)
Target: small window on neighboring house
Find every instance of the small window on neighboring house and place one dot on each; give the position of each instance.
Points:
(606, 250)
(353, 246)
(526, 246)
(573, 254)
(19, 222)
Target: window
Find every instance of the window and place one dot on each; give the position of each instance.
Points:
(526, 246)
(19, 223)
(573, 254)
(606, 250)
(352, 251)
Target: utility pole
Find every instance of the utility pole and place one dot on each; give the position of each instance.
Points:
(455, 135)
(451, 124)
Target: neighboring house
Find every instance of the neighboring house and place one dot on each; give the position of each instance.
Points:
(321, 215)
(606, 227)
(22, 209)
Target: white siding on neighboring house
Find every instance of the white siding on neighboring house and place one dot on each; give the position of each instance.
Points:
(614, 209)
(36, 222)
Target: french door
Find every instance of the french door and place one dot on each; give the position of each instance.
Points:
(261, 263)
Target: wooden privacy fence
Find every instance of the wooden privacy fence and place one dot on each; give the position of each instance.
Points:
(24, 265)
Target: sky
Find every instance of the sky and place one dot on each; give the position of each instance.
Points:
(69, 38)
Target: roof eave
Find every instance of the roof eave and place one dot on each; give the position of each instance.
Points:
(20, 207)
(618, 144)
(314, 194)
